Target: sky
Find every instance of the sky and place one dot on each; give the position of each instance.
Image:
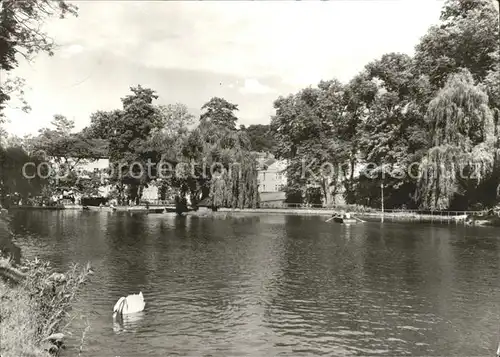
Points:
(250, 53)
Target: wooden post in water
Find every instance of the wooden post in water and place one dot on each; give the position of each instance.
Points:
(382, 200)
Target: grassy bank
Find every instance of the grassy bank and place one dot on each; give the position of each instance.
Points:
(36, 302)
(18, 324)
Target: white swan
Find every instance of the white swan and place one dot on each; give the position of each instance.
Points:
(129, 305)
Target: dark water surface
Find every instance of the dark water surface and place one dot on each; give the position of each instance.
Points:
(275, 285)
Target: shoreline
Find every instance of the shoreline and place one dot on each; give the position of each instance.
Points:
(25, 290)
(330, 211)
(141, 208)
(395, 216)
(478, 218)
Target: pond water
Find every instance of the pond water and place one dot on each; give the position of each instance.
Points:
(275, 285)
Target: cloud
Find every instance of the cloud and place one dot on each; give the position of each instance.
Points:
(300, 42)
(186, 49)
(253, 86)
(71, 50)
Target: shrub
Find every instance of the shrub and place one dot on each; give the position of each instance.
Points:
(35, 306)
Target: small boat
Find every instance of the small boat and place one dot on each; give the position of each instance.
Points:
(344, 220)
(96, 208)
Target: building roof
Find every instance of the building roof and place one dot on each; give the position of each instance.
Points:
(275, 166)
(264, 163)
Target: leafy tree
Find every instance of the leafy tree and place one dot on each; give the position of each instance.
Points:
(305, 127)
(176, 119)
(216, 145)
(166, 145)
(63, 125)
(66, 148)
(261, 139)
(359, 93)
(129, 131)
(218, 192)
(12, 87)
(168, 138)
(396, 113)
(225, 171)
(467, 37)
(62, 151)
(103, 124)
(393, 115)
(220, 112)
(462, 136)
(144, 133)
(392, 133)
(15, 177)
(21, 35)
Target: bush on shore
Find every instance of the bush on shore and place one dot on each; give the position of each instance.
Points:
(36, 302)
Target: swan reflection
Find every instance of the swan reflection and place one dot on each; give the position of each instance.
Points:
(128, 323)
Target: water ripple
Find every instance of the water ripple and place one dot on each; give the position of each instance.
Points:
(275, 286)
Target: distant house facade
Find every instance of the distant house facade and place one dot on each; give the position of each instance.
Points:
(150, 193)
(272, 176)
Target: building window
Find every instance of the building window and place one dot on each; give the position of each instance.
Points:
(264, 187)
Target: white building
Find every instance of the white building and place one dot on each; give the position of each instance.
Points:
(272, 177)
(93, 165)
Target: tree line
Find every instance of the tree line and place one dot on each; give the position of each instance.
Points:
(139, 132)
(138, 136)
(425, 126)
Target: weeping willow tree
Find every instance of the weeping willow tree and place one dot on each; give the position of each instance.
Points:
(243, 182)
(231, 169)
(462, 155)
(218, 190)
(235, 185)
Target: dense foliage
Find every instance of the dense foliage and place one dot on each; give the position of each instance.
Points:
(147, 144)
(197, 163)
(425, 127)
(261, 138)
(21, 37)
